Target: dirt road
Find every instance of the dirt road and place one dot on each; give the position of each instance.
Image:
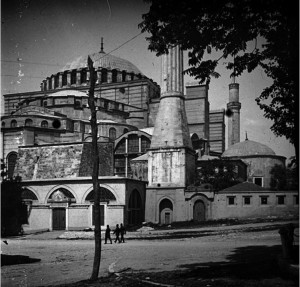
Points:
(52, 262)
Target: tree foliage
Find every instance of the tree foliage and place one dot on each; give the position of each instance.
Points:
(219, 173)
(278, 177)
(230, 27)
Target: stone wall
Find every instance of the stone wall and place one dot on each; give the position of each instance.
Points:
(63, 161)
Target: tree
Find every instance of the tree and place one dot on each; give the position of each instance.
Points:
(230, 27)
(219, 173)
(278, 177)
(11, 204)
(95, 173)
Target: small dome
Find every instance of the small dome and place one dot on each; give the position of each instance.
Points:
(248, 148)
(103, 60)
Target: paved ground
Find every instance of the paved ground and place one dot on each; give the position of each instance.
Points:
(241, 253)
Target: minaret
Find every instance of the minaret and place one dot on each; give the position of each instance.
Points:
(171, 159)
(234, 107)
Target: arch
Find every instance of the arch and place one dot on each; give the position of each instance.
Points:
(199, 210)
(13, 124)
(11, 161)
(28, 122)
(44, 124)
(135, 208)
(105, 195)
(28, 194)
(112, 133)
(68, 193)
(165, 211)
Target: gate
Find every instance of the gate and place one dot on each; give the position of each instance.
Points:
(59, 219)
(199, 211)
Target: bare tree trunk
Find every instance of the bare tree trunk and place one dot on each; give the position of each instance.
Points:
(93, 120)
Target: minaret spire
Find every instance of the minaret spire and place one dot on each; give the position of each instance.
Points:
(171, 156)
(101, 51)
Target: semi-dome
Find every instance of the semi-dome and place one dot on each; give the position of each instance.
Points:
(248, 148)
(103, 60)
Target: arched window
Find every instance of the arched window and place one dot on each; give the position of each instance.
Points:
(135, 208)
(13, 124)
(112, 133)
(44, 124)
(28, 122)
(133, 143)
(73, 77)
(103, 76)
(64, 79)
(145, 144)
(114, 76)
(11, 163)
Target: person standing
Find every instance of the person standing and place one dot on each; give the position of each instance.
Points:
(122, 231)
(107, 234)
(117, 232)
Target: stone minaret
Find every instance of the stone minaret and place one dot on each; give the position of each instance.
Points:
(234, 120)
(171, 160)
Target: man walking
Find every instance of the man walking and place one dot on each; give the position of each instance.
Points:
(122, 231)
(107, 235)
(117, 232)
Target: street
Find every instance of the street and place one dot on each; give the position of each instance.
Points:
(53, 262)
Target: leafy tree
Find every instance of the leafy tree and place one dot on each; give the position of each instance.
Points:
(11, 204)
(278, 177)
(219, 173)
(95, 173)
(230, 27)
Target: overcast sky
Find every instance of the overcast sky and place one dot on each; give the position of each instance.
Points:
(39, 37)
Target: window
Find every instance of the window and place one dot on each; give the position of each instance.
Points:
(44, 124)
(296, 199)
(264, 200)
(11, 164)
(112, 133)
(3, 124)
(28, 122)
(145, 144)
(102, 214)
(231, 200)
(247, 200)
(280, 199)
(13, 124)
(125, 131)
(258, 181)
(133, 144)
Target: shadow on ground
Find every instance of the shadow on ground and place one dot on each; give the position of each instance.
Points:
(250, 266)
(17, 259)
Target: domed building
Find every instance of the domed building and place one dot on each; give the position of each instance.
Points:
(260, 159)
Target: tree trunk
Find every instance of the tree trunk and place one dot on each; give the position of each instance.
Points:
(95, 152)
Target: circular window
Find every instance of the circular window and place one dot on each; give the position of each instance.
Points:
(56, 124)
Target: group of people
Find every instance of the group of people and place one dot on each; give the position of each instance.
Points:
(118, 231)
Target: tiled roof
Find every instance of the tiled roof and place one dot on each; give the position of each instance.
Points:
(245, 186)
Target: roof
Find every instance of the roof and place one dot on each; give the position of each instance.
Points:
(103, 60)
(248, 148)
(245, 186)
(143, 157)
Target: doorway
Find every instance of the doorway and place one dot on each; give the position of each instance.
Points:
(199, 211)
(59, 219)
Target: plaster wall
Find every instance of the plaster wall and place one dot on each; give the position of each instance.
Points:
(155, 195)
(261, 167)
(221, 208)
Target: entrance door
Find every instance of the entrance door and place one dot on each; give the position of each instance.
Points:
(199, 210)
(59, 219)
(167, 218)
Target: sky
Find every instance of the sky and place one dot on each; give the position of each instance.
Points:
(39, 37)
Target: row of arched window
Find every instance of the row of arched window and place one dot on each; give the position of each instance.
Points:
(103, 77)
(28, 123)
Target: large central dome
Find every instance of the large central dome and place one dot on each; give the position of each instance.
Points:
(103, 60)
